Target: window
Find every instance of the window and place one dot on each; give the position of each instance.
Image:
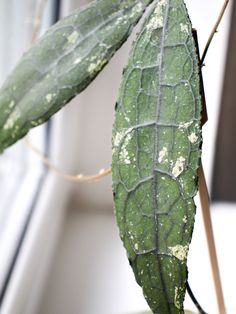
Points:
(21, 172)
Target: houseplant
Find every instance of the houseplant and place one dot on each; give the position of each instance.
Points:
(50, 79)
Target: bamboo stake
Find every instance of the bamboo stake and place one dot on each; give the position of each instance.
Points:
(203, 191)
(205, 204)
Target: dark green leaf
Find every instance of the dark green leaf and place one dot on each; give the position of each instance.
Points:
(63, 63)
(156, 151)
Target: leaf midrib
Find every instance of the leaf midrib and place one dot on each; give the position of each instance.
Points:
(156, 150)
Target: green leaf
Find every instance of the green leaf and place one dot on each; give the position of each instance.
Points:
(62, 63)
(156, 152)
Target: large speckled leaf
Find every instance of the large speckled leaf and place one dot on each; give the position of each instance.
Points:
(63, 63)
(156, 151)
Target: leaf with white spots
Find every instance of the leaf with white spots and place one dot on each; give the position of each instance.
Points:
(156, 151)
(63, 63)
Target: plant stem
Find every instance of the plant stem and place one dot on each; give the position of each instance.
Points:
(214, 30)
(192, 296)
(74, 178)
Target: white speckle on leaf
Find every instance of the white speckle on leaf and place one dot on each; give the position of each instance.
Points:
(185, 125)
(178, 167)
(93, 58)
(92, 67)
(95, 67)
(184, 28)
(136, 10)
(179, 251)
(185, 219)
(157, 20)
(11, 120)
(73, 37)
(162, 154)
(119, 136)
(155, 23)
(197, 126)
(120, 20)
(37, 122)
(193, 138)
(124, 154)
(136, 246)
(127, 119)
(11, 105)
(49, 97)
(178, 293)
(104, 45)
(123, 138)
(77, 61)
(139, 7)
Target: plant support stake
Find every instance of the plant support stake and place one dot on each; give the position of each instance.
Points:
(205, 204)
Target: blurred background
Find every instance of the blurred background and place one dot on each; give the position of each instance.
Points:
(59, 244)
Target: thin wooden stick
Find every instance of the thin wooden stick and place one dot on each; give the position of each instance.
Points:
(74, 178)
(205, 204)
(214, 30)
